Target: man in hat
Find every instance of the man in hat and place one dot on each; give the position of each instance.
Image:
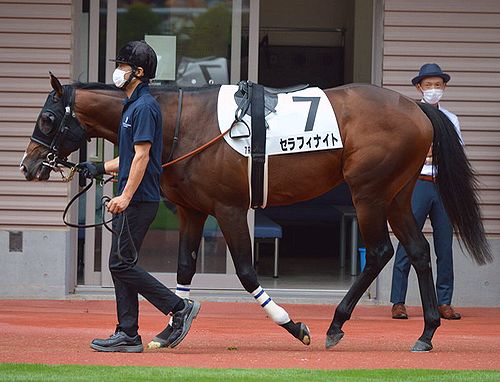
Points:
(135, 205)
(431, 83)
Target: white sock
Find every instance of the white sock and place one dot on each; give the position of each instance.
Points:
(273, 310)
(183, 291)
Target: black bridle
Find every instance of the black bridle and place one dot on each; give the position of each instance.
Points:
(67, 137)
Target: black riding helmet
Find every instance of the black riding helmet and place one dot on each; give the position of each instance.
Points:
(138, 53)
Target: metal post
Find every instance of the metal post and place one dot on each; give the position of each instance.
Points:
(342, 241)
(354, 246)
(276, 253)
(253, 41)
(236, 42)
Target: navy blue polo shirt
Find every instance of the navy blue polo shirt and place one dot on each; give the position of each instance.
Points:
(141, 122)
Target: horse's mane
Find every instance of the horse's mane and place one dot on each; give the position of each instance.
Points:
(171, 87)
(94, 86)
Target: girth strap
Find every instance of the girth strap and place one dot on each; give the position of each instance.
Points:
(258, 146)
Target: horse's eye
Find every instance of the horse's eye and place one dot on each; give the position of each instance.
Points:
(46, 123)
(49, 117)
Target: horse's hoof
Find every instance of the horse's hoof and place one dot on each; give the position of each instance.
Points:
(421, 346)
(333, 339)
(299, 330)
(305, 334)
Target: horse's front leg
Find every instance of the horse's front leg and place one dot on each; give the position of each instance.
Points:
(379, 250)
(234, 226)
(191, 229)
(190, 232)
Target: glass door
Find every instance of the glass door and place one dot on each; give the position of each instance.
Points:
(198, 43)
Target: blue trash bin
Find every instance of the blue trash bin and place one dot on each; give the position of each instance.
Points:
(362, 258)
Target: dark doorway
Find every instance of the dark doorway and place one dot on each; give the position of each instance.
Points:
(281, 65)
(312, 43)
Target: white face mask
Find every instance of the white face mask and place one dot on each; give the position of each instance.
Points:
(119, 77)
(432, 96)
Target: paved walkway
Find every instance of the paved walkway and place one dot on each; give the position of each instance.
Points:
(239, 335)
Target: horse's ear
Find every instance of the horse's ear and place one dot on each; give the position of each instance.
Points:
(56, 85)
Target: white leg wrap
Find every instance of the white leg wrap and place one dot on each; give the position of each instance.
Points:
(273, 310)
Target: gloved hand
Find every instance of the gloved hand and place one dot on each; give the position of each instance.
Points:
(91, 169)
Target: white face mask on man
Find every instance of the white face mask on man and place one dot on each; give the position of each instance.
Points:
(119, 77)
(432, 96)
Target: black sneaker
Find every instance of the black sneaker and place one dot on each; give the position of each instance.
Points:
(118, 342)
(181, 321)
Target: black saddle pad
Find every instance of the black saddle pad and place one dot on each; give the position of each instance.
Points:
(242, 96)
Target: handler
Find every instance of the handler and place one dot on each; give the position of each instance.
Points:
(135, 206)
(426, 201)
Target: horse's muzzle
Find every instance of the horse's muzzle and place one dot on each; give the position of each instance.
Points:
(24, 171)
(36, 173)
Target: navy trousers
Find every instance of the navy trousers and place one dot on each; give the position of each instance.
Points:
(427, 202)
(129, 279)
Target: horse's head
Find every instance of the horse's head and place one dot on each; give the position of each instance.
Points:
(57, 134)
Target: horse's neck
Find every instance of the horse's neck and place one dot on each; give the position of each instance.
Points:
(100, 111)
(197, 107)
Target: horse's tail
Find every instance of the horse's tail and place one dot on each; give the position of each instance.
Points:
(457, 185)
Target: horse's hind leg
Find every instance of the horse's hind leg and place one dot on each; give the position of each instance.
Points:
(417, 248)
(373, 225)
(233, 223)
(190, 232)
(191, 229)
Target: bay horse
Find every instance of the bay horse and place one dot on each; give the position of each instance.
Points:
(385, 136)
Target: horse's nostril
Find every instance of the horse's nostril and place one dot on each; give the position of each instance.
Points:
(23, 169)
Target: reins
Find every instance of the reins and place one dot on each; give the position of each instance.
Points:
(197, 150)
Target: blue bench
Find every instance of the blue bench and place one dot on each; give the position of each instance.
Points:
(334, 207)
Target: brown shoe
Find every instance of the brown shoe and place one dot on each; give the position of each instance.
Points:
(399, 312)
(448, 313)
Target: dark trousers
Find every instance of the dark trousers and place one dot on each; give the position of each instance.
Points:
(427, 202)
(129, 279)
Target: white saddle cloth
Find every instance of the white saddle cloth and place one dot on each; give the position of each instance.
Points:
(303, 121)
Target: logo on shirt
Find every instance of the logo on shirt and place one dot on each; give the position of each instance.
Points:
(125, 123)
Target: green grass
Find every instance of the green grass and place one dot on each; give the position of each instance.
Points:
(166, 220)
(75, 373)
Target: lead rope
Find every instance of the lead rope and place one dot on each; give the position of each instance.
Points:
(104, 200)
